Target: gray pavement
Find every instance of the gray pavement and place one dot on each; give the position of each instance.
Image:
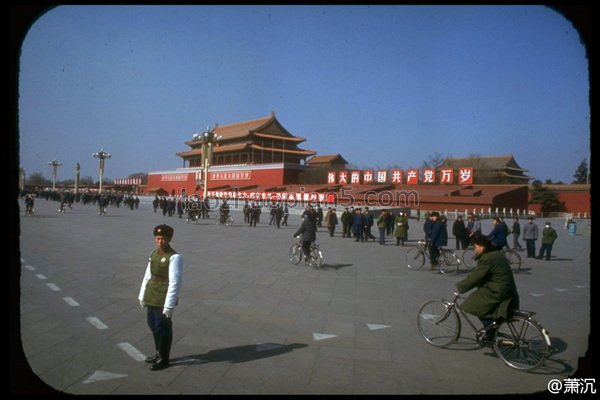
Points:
(249, 322)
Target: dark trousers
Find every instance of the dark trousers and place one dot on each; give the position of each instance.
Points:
(434, 252)
(546, 248)
(530, 243)
(306, 248)
(381, 235)
(516, 244)
(346, 230)
(162, 330)
(462, 243)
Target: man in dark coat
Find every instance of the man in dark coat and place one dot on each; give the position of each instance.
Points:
(358, 223)
(438, 237)
(346, 223)
(459, 230)
(496, 295)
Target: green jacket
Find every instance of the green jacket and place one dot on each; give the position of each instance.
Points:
(549, 235)
(496, 295)
(401, 223)
(158, 285)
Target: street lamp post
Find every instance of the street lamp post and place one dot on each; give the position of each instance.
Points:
(77, 172)
(54, 164)
(208, 139)
(101, 156)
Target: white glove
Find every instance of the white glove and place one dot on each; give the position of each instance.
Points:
(142, 304)
(168, 312)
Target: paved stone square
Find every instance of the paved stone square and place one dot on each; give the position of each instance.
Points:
(250, 322)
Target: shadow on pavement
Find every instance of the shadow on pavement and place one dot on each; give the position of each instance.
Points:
(238, 354)
(335, 266)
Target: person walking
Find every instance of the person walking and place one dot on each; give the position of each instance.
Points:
(437, 239)
(331, 220)
(459, 230)
(549, 235)
(358, 223)
(476, 225)
(516, 232)
(346, 223)
(427, 228)
(530, 235)
(159, 294)
(319, 215)
(382, 222)
(401, 231)
(286, 214)
(369, 222)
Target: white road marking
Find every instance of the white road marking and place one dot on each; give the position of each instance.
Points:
(30, 267)
(322, 336)
(103, 376)
(536, 294)
(97, 323)
(132, 351)
(40, 276)
(70, 301)
(53, 287)
(560, 290)
(374, 327)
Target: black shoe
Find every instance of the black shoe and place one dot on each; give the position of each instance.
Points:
(152, 359)
(160, 364)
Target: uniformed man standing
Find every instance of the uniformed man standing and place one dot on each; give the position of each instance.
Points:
(159, 294)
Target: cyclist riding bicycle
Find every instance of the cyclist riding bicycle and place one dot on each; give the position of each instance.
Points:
(308, 230)
(496, 296)
(224, 212)
(29, 204)
(498, 234)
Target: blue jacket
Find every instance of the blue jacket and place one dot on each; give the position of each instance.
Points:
(498, 235)
(427, 225)
(358, 222)
(439, 234)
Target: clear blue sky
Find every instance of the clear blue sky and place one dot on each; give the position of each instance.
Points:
(381, 85)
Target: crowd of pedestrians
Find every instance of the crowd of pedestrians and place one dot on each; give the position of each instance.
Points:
(356, 223)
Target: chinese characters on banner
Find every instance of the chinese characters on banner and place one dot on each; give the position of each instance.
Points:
(462, 176)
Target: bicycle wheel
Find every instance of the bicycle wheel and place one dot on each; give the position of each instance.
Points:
(415, 259)
(438, 323)
(448, 262)
(295, 254)
(521, 344)
(229, 221)
(468, 258)
(316, 258)
(514, 259)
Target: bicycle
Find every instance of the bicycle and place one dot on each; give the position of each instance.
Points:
(513, 257)
(521, 341)
(315, 259)
(226, 220)
(193, 216)
(448, 261)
